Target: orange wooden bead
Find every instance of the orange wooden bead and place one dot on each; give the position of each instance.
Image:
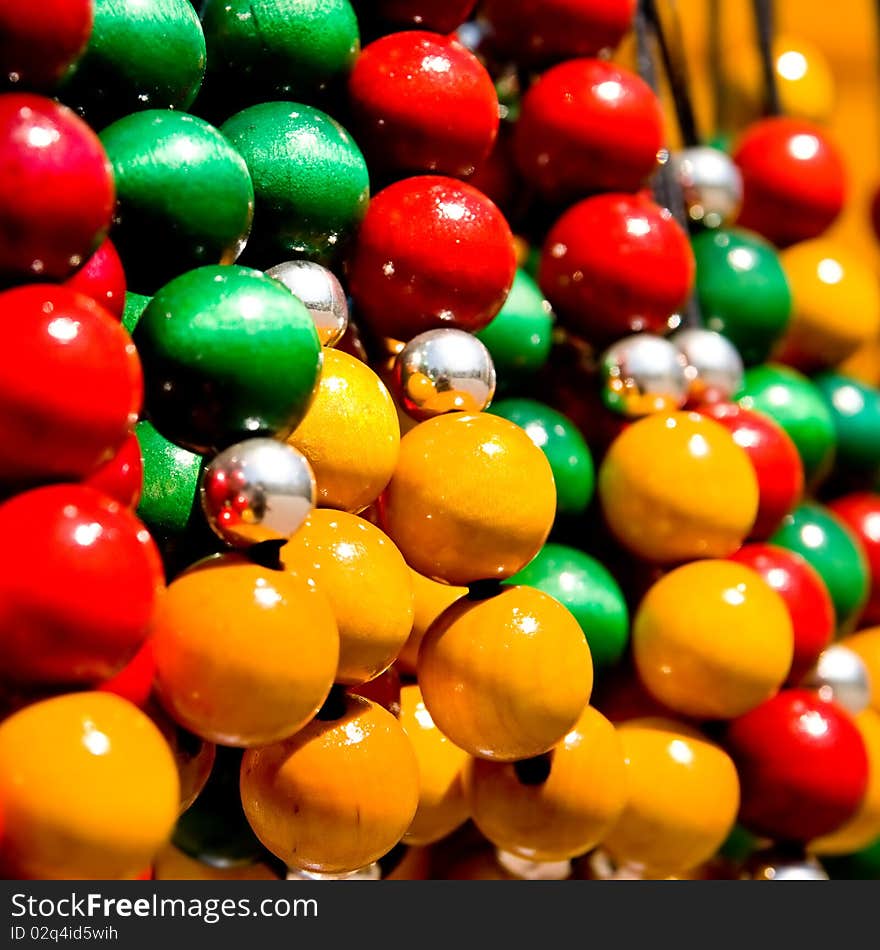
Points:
(430, 599)
(442, 805)
(557, 806)
(350, 435)
(863, 829)
(682, 802)
(508, 676)
(836, 304)
(244, 655)
(337, 795)
(367, 583)
(676, 486)
(471, 498)
(712, 640)
(867, 644)
(88, 789)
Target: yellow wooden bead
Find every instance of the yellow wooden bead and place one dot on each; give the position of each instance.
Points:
(683, 798)
(570, 811)
(367, 583)
(471, 498)
(88, 789)
(863, 829)
(675, 487)
(836, 304)
(864, 364)
(712, 640)
(430, 599)
(508, 676)
(803, 76)
(867, 644)
(350, 434)
(337, 795)
(244, 655)
(442, 805)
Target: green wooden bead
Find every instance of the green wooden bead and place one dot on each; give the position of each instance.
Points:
(742, 290)
(520, 337)
(833, 550)
(184, 196)
(228, 353)
(560, 440)
(142, 54)
(797, 405)
(135, 304)
(585, 587)
(310, 180)
(855, 410)
(288, 49)
(171, 480)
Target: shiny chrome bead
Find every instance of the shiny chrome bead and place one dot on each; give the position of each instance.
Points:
(711, 184)
(775, 865)
(840, 674)
(257, 490)
(643, 374)
(321, 293)
(442, 371)
(714, 366)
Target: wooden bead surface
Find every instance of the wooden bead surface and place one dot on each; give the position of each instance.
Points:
(244, 656)
(350, 434)
(683, 797)
(89, 789)
(479, 663)
(320, 800)
(367, 583)
(471, 498)
(442, 805)
(567, 813)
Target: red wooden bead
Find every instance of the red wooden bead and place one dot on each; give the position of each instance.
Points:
(802, 765)
(103, 279)
(431, 252)
(121, 477)
(775, 459)
(39, 41)
(614, 264)
(805, 594)
(537, 32)
(588, 125)
(794, 180)
(440, 15)
(861, 512)
(134, 681)
(70, 391)
(76, 599)
(56, 189)
(422, 102)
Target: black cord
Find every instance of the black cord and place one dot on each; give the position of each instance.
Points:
(671, 44)
(765, 26)
(666, 186)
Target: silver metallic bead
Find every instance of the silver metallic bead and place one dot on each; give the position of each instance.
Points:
(322, 294)
(711, 184)
(777, 865)
(642, 374)
(840, 674)
(441, 371)
(715, 368)
(257, 490)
